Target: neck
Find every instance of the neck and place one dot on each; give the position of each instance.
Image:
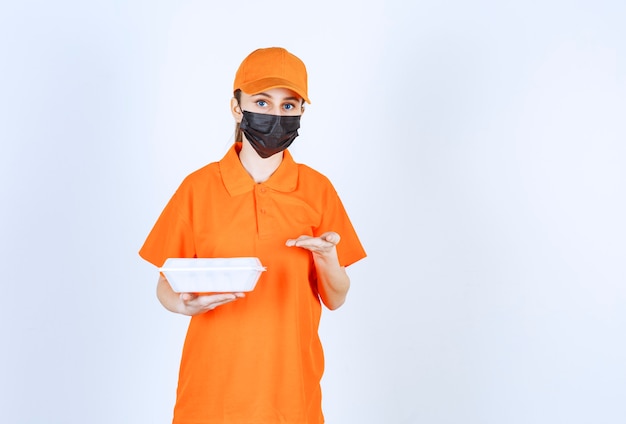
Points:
(258, 168)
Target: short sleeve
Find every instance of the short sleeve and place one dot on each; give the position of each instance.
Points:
(335, 218)
(172, 234)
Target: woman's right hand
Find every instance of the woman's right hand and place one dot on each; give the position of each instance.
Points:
(191, 303)
(194, 303)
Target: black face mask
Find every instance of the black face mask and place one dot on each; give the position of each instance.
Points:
(269, 134)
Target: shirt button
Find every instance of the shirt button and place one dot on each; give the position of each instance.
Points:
(263, 189)
(262, 210)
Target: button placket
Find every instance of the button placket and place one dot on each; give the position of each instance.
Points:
(263, 217)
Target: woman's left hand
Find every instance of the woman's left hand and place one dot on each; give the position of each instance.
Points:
(322, 245)
(332, 282)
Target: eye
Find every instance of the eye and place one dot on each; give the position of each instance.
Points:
(288, 106)
(261, 103)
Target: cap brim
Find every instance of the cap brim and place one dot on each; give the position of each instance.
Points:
(261, 85)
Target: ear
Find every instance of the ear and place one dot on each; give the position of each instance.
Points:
(235, 109)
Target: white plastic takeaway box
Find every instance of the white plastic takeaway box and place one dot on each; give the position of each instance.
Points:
(203, 275)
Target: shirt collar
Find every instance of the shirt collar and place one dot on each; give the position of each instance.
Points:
(238, 181)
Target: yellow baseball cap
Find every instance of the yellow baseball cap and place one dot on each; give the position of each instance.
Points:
(271, 67)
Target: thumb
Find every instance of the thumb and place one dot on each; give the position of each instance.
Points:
(186, 297)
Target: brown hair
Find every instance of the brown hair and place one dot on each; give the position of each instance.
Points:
(238, 136)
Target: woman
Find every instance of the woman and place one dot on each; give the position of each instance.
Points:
(257, 358)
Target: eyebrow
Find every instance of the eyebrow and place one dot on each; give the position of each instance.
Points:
(295, 99)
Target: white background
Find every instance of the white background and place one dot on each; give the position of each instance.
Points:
(479, 148)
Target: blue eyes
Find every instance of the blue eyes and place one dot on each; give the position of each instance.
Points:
(263, 104)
